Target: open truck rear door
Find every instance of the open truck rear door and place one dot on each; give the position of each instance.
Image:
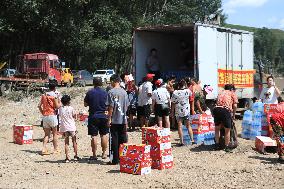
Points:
(207, 67)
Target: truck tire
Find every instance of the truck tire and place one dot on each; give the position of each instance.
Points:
(54, 81)
(6, 88)
(68, 84)
(83, 84)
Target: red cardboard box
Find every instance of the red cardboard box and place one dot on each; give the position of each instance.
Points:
(270, 108)
(261, 142)
(199, 119)
(136, 167)
(23, 134)
(164, 162)
(134, 151)
(200, 128)
(155, 135)
(211, 127)
(159, 150)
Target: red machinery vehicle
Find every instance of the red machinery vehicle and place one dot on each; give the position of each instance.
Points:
(36, 70)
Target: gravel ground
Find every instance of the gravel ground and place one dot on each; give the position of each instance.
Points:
(21, 166)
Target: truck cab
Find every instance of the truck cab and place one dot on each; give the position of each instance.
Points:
(42, 65)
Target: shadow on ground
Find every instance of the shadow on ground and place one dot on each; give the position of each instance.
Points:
(114, 171)
(32, 151)
(265, 160)
(83, 160)
(202, 148)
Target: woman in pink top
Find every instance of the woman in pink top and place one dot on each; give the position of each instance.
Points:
(67, 126)
(226, 106)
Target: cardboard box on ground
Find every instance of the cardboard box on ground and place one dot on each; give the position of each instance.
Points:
(23, 134)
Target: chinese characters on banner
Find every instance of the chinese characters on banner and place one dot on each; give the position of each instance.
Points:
(240, 78)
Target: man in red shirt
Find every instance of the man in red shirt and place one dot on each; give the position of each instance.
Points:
(277, 122)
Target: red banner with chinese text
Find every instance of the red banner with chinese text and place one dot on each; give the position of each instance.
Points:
(240, 78)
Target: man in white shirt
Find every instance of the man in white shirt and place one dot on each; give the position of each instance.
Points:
(270, 94)
(146, 100)
(161, 104)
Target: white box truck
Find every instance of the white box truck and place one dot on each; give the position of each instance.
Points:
(216, 55)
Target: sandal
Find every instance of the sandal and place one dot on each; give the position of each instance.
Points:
(67, 160)
(104, 156)
(56, 151)
(46, 152)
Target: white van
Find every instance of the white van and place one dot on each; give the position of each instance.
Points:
(104, 74)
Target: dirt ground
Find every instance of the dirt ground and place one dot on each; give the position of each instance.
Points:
(21, 166)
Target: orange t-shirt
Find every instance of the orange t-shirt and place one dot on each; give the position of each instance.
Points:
(227, 99)
(48, 105)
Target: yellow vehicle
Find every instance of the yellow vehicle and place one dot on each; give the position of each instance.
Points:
(66, 76)
(2, 64)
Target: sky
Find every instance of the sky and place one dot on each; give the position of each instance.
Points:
(255, 13)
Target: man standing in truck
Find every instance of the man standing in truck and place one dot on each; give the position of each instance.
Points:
(153, 64)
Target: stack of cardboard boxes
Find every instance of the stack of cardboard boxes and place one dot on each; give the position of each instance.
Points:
(155, 152)
(161, 149)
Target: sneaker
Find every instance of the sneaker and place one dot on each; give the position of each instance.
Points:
(228, 149)
(67, 160)
(76, 158)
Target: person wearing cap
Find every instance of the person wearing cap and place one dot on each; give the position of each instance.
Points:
(132, 91)
(161, 104)
(146, 100)
(97, 121)
(153, 63)
(117, 102)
